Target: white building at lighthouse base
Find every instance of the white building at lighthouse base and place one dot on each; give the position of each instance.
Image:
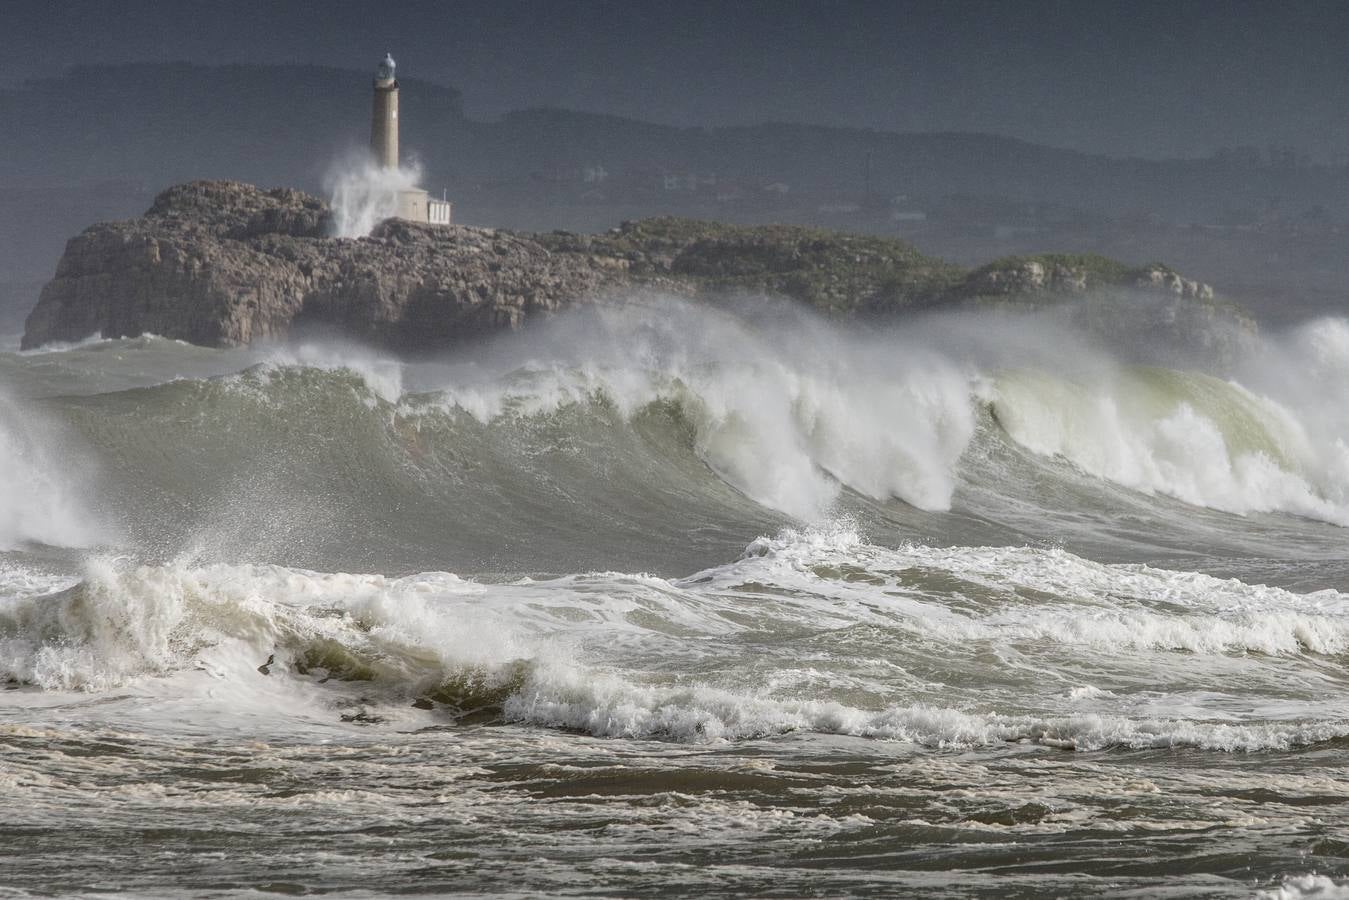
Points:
(416, 205)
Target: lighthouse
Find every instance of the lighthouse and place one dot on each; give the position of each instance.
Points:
(410, 203)
(384, 121)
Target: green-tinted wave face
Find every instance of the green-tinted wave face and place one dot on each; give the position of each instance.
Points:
(1200, 439)
(1247, 423)
(313, 466)
(1142, 396)
(664, 437)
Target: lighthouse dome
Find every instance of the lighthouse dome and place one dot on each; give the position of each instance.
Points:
(386, 67)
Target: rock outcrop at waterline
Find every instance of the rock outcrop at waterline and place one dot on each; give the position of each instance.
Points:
(223, 263)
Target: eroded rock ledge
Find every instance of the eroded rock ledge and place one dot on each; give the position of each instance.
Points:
(222, 263)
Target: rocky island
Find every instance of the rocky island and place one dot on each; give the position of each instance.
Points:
(223, 263)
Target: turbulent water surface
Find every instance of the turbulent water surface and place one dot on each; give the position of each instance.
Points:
(661, 600)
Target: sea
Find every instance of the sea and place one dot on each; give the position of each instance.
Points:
(666, 599)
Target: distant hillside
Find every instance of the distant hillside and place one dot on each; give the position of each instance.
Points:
(162, 123)
(99, 142)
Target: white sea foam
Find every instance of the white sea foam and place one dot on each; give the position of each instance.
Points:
(1071, 600)
(612, 708)
(66, 346)
(124, 621)
(574, 652)
(1305, 887)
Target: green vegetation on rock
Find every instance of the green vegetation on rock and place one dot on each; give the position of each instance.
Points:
(832, 271)
(838, 272)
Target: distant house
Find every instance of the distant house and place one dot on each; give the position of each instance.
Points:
(686, 181)
(594, 174)
(904, 212)
(728, 192)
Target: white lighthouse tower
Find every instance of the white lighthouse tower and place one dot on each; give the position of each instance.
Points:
(413, 203)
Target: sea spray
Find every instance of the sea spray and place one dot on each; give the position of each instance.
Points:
(786, 407)
(364, 194)
(42, 482)
(1307, 371)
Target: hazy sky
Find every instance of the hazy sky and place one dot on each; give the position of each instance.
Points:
(1146, 78)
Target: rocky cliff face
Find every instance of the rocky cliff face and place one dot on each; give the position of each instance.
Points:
(222, 263)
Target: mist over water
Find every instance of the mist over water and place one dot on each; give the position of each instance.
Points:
(726, 583)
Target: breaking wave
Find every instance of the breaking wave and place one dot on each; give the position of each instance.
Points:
(665, 440)
(618, 420)
(574, 652)
(793, 417)
(1190, 436)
